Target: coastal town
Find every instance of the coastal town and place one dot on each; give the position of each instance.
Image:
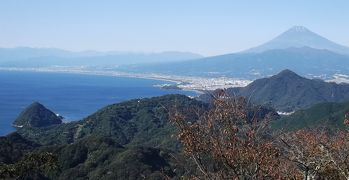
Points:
(189, 83)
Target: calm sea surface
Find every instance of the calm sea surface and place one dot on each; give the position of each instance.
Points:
(73, 96)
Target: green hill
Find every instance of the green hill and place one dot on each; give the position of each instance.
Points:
(103, 158)
(92, 157)
(139, 121)
(13, 146)
(128, 140)
(288, 91)
(327, 115)
(37, 115)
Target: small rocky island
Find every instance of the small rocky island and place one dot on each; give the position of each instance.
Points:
(37, 115)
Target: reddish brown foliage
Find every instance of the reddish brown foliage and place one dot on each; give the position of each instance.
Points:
(225, 143)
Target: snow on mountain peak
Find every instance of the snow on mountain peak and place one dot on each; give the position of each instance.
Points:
(298, 29)
(299, 37)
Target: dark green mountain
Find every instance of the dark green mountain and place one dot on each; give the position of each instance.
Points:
(93, 157)
(329, 115)
(128, 140)
(102, 158)
(140, 121)
(37, 115)
(288, 91)
(13, 146)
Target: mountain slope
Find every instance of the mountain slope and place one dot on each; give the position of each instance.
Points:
(139, 121)
(329, 115)
(128, 140)
(304, 60)
(288, 91)
(102, 158)
(37, 115)
(298, 49)
(13, 147)
(93, 157)
(299, 36)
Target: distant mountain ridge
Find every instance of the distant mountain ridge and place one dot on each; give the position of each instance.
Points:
(37, 57)
(287, 91)
(305, 61)
(297, 37)
(298, 48)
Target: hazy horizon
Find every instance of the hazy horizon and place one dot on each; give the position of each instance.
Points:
(203, 27)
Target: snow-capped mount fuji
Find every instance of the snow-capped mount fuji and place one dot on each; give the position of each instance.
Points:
(298, 49)
(297, 37)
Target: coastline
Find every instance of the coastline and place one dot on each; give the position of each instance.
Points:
(74, 96)
(198, 85)
(84, 72)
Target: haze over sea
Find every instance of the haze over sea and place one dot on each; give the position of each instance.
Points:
(73, 96)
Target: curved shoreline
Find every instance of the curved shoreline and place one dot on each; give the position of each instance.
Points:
(187, 83)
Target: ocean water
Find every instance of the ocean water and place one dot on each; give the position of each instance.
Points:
(73, 96)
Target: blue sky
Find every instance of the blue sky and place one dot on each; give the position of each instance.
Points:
(208, 27)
